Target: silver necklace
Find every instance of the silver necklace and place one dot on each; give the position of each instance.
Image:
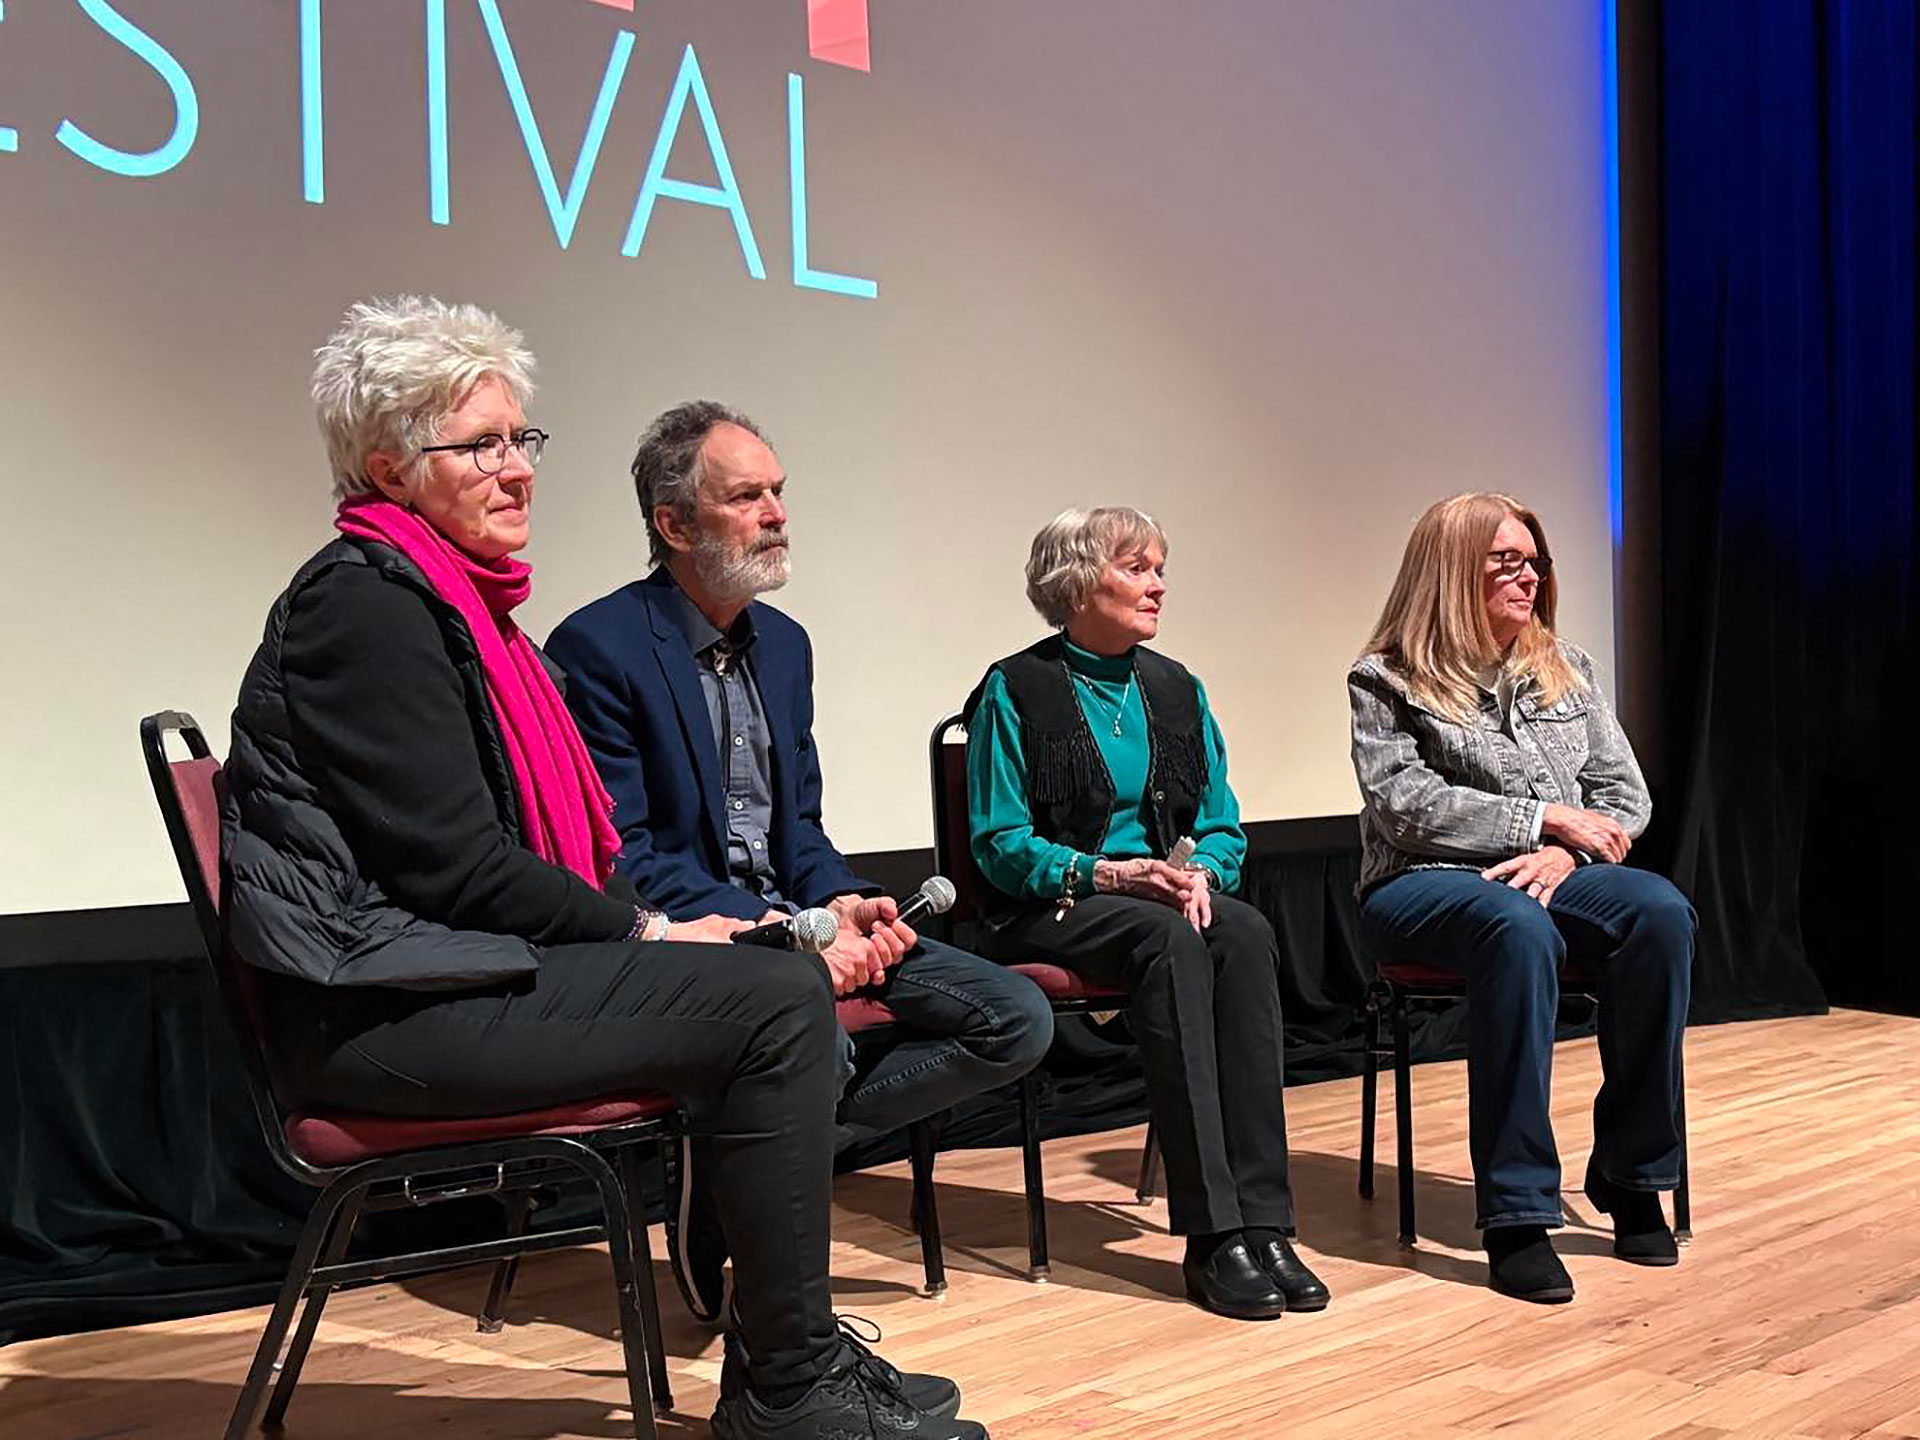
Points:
(1121, 709)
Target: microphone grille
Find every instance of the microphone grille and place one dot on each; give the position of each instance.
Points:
(939, 893)
(813, 930)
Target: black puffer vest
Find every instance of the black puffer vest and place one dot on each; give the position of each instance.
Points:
(296, 904)
(1069, 789)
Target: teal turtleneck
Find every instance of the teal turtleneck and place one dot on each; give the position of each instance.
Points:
(1018, 862)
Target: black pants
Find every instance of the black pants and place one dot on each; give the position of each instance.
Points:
(745, 1038)
(1206, 1011)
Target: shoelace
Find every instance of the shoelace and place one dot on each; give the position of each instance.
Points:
(866, 1364)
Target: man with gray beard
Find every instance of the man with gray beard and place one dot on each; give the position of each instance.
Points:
(696, 701)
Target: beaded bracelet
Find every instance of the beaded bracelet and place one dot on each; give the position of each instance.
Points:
(645, 922)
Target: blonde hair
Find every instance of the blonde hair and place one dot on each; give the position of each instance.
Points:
(393, 370)
(1075, 546)
(1434, 629)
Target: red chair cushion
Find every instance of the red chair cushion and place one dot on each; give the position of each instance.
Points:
(860, 1014)
(1425, 976)
(1057, 983)
(331, 1138)
(1572, 980)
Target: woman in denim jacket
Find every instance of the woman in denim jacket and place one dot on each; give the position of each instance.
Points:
(1500, 796)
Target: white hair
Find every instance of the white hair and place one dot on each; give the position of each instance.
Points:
(394, 369)
(1075, 546)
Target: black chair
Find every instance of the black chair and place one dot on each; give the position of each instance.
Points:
(360, 1163)
(1067, 992)
(859, 1014)
(1393, 990)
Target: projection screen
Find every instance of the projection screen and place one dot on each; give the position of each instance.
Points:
(1279, 272)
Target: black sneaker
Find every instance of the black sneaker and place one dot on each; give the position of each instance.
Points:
(696, 1245)
(848, 1402)
(934, 1394)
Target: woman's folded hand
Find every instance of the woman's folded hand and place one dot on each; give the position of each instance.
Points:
(1588, 831)
(1538, 873)
(1145, 879)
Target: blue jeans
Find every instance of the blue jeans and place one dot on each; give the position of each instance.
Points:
(966, 1026)
(1629, 926)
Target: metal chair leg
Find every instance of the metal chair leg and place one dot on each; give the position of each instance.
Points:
(1683, 1193)
(306, 1256)
(492, 1314)
(635, 1219)
(1369, 1093)
(926, 1209)
(335, 1250)
(1037, 1268)
(1403, 1114)
(1149, 1185)
(633, 1342)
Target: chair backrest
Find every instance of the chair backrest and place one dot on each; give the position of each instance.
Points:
(189, 795)
(189, 792)
(952, 835)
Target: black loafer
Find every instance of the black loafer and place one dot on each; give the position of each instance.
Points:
(1231, 1282)
(696, 1245)
(1521, 1263)
(1274, 1254)
(1640, 1230)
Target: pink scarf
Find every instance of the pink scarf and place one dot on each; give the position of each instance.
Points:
(564, 808)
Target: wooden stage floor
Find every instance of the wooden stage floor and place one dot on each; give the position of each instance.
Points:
(1796, 1311)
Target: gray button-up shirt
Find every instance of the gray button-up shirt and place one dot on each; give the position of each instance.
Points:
(1437, 791)
(743, 742)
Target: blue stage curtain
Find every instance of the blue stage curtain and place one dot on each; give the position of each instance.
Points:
(1788, 494)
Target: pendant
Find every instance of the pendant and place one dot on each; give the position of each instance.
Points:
(1116, 727)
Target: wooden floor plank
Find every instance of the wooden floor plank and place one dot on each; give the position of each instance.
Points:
(1795, 1312)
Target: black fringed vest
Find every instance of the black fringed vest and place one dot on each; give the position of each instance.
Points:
(1069, 789)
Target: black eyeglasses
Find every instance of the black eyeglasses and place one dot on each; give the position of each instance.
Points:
(1507, 564)
(489, 451)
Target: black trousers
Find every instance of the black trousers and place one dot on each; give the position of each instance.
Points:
(1206, 1011)
(744, 1037)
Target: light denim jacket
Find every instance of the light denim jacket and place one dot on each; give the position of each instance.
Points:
(1437, 792)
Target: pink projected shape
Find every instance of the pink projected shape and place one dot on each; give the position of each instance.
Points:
(837, 32)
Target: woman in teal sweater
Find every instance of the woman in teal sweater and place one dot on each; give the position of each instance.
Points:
(1098, 798)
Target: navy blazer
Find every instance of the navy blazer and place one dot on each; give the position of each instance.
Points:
(634, 688)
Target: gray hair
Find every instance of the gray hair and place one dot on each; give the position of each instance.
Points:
(666, 467)
(1075, 546)
(394, 369)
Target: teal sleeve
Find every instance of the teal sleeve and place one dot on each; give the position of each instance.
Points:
(1014, 860)
(1221, 845)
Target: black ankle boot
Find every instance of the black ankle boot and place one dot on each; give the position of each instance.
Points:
(1521, 1263)
(1640, 1230)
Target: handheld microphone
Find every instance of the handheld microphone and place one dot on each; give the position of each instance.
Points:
(809, 932)
(934, 897)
